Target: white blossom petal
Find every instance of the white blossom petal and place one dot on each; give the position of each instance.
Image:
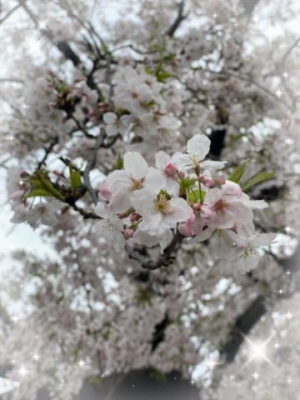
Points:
(135, 165)
(198, 146)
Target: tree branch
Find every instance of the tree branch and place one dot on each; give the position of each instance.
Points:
(62, 46)
(242, 327)
(180, 17)
(165, 259)
(47, 152)
(9, 13)
(91, 164)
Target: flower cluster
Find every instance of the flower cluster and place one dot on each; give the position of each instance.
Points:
(25, 207)
(181, 194)
(139, 106)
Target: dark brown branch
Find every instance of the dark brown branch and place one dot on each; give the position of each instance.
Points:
(47, 152)
(91, 164)
(82, 212)
(165, 259)
(62, 46)
(246, 321)
(242, 327)
(67, 51)
(180, 17)
(80, 127)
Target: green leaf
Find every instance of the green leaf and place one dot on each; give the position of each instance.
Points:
(38, 192)
(119, 163)
(75, 177)
(187, 183)
(149, 104)
(162, 75)
(238, 173)
(259, 178)
(148, 71)
(41, 181)
(196, 195)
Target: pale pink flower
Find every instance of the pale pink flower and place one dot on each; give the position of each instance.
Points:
(197, 149)
(230, 206)
(159, 213)
(245, 244)
(110, 227)
(115, 124)
(169, 170)
(43, 213)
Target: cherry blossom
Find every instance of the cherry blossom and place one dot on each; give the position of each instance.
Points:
(159, 212)
(230, 206)
(164, 163)
(115, 125)
(110, 227)
(135, 176)
(197, 149)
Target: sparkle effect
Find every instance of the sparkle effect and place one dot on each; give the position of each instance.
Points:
(211, 363)
(23, 371)
(255, 376)
(258, 350)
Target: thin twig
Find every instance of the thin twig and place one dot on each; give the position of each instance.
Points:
(91, 164)
(47, 152)
(83, 213)
(81, 127)
(9, 13)
(285, 57)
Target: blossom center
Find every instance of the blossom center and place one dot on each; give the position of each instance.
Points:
(162, 205)
(137, 183)
(195, 160)
(219, 206)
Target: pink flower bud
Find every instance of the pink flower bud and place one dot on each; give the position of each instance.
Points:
(196, 207)
(206, 212)
(170, 168)
(104, 192)
(186, 228)
(128, 233)
(207, 181)
(103, 107)
(134, 218)
(58, 173)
